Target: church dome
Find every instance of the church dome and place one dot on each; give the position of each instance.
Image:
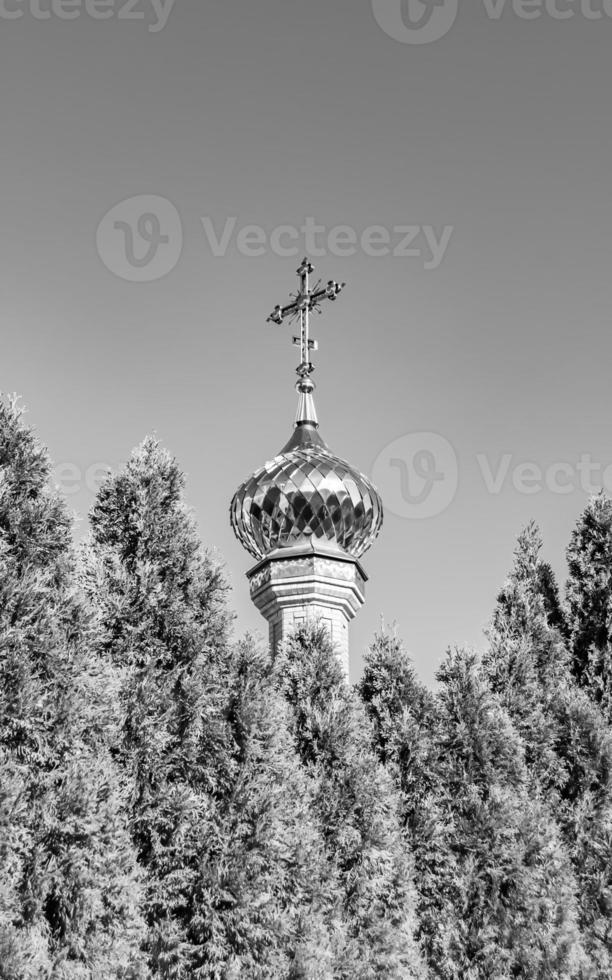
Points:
(306, 495)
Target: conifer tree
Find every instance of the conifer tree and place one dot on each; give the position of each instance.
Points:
(589, 600)
(68, 885)
(357, 810)
(527, 662)
(568, 743)
(519, 891)
(220, 814)
(406, 729)
(274, 901)
(495, 888)
(549, 590)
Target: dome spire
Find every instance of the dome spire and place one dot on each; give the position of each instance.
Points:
(305, 300)
(306, 412)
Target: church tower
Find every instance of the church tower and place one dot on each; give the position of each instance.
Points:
(307, 516)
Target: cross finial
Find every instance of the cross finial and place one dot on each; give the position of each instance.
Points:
(305, 300)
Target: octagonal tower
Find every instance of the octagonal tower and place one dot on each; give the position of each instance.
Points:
(307, 516)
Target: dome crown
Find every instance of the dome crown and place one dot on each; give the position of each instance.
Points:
(306, 494)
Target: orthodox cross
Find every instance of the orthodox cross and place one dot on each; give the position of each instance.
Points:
(305, 300)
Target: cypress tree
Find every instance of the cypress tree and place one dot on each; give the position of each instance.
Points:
(568, 744)
(589, 601)
(357, 810)
(527, 663)
(219, 811)
(495, 887)
(519, 903)
(405, 719)
(269, 873)
(68, 885)
(549, 590)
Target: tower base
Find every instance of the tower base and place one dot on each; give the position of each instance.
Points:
(309, 581)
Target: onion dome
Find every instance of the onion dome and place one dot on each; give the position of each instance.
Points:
(306, 495)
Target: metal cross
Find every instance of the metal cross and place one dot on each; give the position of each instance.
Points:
(305, 300)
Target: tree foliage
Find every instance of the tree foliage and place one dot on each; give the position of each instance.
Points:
(357, 810)
(176, 804)
(589, 601)
(219, 809)
(568, 743)
(495, 887)
(68, 885)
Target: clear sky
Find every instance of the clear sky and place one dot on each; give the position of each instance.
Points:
(490, 146)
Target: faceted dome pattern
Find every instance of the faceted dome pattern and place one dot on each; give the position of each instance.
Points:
(306, 492)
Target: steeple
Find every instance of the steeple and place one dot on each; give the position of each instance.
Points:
(307, 516)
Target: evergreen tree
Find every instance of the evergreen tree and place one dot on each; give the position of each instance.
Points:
(219, 813)
(568, 744)
(527, 663)
(549, 590)
(589, 600)
(68, 887)
(405, 717)
(518, 887)
(495, 889)
(357, 810)
(275, 905)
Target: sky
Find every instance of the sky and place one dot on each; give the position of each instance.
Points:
(166, 166)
